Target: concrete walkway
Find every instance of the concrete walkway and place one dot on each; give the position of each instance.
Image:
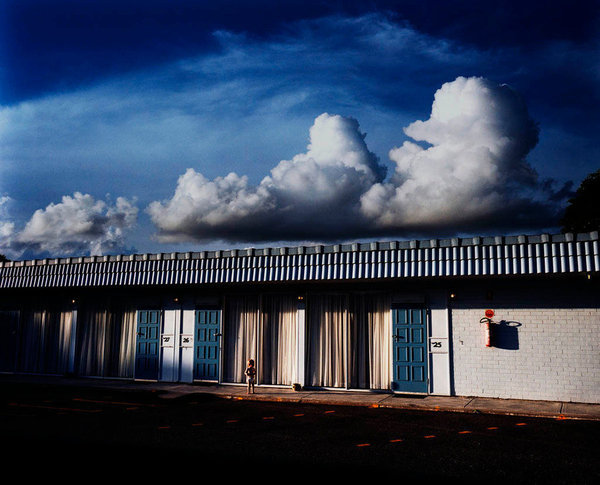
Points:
(517, 407)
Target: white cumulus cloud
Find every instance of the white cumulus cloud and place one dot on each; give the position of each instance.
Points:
(315, 193)
(462, 169)
(79, 224)
(473, 169)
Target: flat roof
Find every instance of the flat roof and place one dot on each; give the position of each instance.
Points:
(450, 257)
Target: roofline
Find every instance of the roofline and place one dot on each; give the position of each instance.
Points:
(454, 257)
(320, 248)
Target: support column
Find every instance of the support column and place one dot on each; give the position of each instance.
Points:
(301, 343)
(439, 343)
(73, 341)
(186, 355)
(169, 365)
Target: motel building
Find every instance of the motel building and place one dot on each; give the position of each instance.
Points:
(506, 316)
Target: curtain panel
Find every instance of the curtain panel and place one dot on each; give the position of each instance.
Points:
(240, 335)
(44, 341)
(327, 340)
(263, 328)
(370, 343)
(9, 328)
(349, 341)
(106, 342)
(278, 337)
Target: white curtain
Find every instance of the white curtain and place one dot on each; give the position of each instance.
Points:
(278, 337)
(327, 340)
(9, 327)
(241, 316)
(126, 345)
(106, 342)
(358, 355)
(44, 341)
(370, 342)
(91, 333)
(62, 335)
(349, 341)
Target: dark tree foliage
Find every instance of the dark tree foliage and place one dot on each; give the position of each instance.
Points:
(3, 258)
(583, 212)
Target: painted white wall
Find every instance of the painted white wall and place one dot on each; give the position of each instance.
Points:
(169, 366)
(186, 344)
(438, 343)
(301, 345)
(553, 353)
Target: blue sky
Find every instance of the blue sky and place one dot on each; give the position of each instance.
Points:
(173, 126)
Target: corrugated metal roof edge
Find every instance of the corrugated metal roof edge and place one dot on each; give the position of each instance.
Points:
(317, 249)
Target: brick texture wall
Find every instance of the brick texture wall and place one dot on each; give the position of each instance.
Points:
(546, 348)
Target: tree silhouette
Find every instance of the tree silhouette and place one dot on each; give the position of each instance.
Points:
(583, 212)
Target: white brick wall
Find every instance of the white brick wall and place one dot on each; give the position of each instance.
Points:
(558, 354)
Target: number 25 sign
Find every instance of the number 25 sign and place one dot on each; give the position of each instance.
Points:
(438, 345)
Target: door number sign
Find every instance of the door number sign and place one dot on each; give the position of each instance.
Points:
(187, 341)
(438, 345)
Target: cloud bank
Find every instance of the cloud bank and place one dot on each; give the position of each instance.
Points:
(470, 171)
(462, 170)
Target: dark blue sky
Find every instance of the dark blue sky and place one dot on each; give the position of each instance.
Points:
(53, 45)
(115, 101)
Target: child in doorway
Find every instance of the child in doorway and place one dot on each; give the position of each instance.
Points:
(250, 375)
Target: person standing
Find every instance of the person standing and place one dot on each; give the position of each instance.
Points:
(250, 376)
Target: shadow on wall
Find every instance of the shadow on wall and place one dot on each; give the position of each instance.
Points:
(505, 335)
